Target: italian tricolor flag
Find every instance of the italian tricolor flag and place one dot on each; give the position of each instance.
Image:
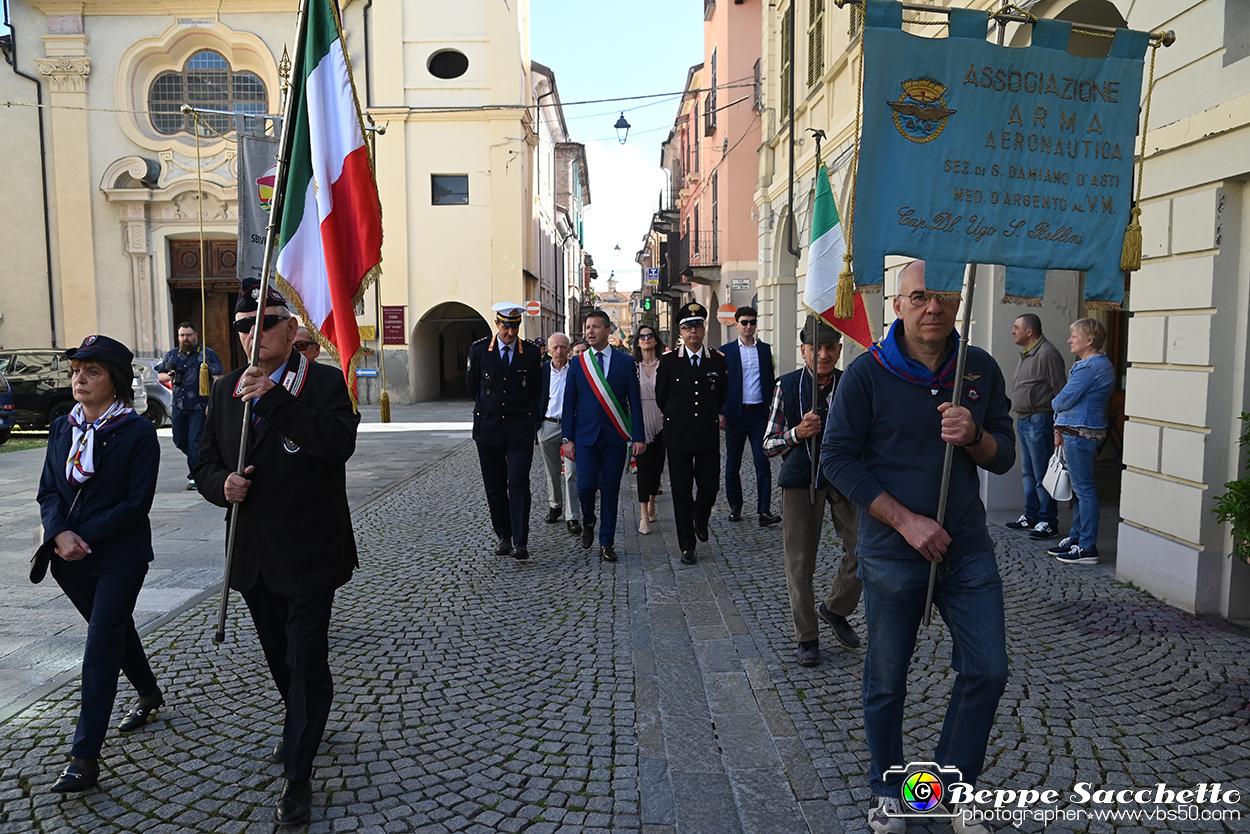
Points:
(330, 232)
(824, 262)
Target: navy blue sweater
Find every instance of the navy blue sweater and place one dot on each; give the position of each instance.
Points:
(112, 513)
(884, 435)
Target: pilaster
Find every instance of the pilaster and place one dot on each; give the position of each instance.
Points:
(67, 70)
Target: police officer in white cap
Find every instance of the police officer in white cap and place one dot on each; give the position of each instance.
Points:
(504, 378)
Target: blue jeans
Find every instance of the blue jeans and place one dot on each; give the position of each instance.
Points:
(752, 425)
(1037, 444)
(1079, 452)
(188, 431)
(969, 596)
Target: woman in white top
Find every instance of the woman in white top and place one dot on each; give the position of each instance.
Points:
(647, 350)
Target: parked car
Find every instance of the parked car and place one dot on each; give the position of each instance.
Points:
(160, 394)
(39, 379)
(8, 411)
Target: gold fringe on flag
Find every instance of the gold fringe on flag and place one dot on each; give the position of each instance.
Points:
(1025, 300)
(1130, 256)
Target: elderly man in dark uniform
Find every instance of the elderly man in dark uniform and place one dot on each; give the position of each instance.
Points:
(505, 379)
(293, 548)
(690, 388)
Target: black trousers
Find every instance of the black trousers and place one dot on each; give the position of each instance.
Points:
(106, 599)
(294, 634)
(685, 471)
(650, 468)
(506, 473)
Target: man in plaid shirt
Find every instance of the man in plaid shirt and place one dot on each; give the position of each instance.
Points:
(791, 426)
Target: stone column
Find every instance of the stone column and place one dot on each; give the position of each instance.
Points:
(67, 69)
(134, 220)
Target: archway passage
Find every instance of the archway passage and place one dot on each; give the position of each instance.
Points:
(440, 350)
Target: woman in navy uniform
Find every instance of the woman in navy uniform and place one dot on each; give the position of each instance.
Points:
(504, 377)
(690, 389)
(99, 477)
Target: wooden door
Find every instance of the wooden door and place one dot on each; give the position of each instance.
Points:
(221, 288)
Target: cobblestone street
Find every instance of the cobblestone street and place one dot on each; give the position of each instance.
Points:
(480, 694)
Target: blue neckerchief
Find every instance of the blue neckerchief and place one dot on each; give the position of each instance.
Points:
(889, 352)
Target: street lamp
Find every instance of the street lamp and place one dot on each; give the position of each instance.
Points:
(622, 128)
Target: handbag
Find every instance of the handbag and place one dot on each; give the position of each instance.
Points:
(42, 556)
(1056, 481)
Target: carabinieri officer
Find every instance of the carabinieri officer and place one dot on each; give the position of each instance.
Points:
(504, 377)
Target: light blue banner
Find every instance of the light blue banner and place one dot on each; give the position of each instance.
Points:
(977, 153)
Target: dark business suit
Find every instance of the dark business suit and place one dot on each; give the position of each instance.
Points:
(111, 516)
(599, 447)
(293, 547)
(743, 422)
(691, 399)
(505, 415)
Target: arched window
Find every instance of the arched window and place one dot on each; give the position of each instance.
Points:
(207, 82)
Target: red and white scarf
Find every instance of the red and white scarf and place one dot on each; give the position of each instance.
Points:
(81, 463)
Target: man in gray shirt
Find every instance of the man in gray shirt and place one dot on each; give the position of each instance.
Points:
(1039, 379)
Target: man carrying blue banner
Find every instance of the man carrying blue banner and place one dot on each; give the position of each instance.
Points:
(601, 398)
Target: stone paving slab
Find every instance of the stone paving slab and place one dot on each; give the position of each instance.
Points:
(479, 694)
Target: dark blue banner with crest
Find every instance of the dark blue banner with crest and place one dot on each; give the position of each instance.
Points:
(977, 153)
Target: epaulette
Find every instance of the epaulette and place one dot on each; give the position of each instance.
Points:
(479, 341)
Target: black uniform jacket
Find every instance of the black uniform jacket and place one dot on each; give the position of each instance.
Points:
(505, 401)
(111, 515)
(295, 527)
(691, 399)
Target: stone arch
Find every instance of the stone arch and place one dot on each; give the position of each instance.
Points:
(1097, 12)
(439, 349)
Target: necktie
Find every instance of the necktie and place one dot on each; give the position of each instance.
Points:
(694, 360)
(599, 359)
(507, 356)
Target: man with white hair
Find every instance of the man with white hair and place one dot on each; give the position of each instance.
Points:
(561, 472)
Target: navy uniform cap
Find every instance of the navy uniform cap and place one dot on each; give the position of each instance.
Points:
(103, 349)
(249, 293)
(506, 312)
(692, 313)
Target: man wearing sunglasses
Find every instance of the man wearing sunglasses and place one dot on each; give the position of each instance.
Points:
(293, 548)
(306, 344)
(744, 416)
(504, 377)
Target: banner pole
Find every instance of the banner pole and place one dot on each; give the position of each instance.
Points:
(814, 451)
(275, 216)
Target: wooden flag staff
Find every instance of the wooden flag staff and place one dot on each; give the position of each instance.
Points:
(275, 217)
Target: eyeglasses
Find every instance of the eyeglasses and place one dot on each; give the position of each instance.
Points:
(746, 322)
(302, 346)
(245, 325)
(920, 298)
(646, 335)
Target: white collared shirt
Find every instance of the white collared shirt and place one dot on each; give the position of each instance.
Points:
(750, 356)
(555, 404)
(606, 353)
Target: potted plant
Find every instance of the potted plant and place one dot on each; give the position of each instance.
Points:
(1234, 506)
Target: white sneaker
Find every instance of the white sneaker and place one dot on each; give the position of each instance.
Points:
(964, 823)
(883, 816)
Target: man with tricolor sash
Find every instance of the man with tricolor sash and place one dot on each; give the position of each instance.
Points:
(602, 416)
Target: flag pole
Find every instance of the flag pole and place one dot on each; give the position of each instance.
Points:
(814, 451)
(958, 389)
(384, 402)
(271, 233)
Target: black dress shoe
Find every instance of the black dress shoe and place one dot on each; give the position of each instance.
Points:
(82, 774)
(768, 519)
(295, 803)
(520, 552)
(607, 553)
(553, 515)
(588, 536)
(575, 527)
(141, 712)
(700, 531)
(278, 753)
(687, 557)
(504, 547)
(735, 515)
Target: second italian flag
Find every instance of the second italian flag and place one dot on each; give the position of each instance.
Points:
(824, 262)
(330, 233)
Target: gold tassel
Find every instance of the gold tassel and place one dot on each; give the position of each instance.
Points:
(844, 306)
(386, 407)
(1130, 257)
(205, 380)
